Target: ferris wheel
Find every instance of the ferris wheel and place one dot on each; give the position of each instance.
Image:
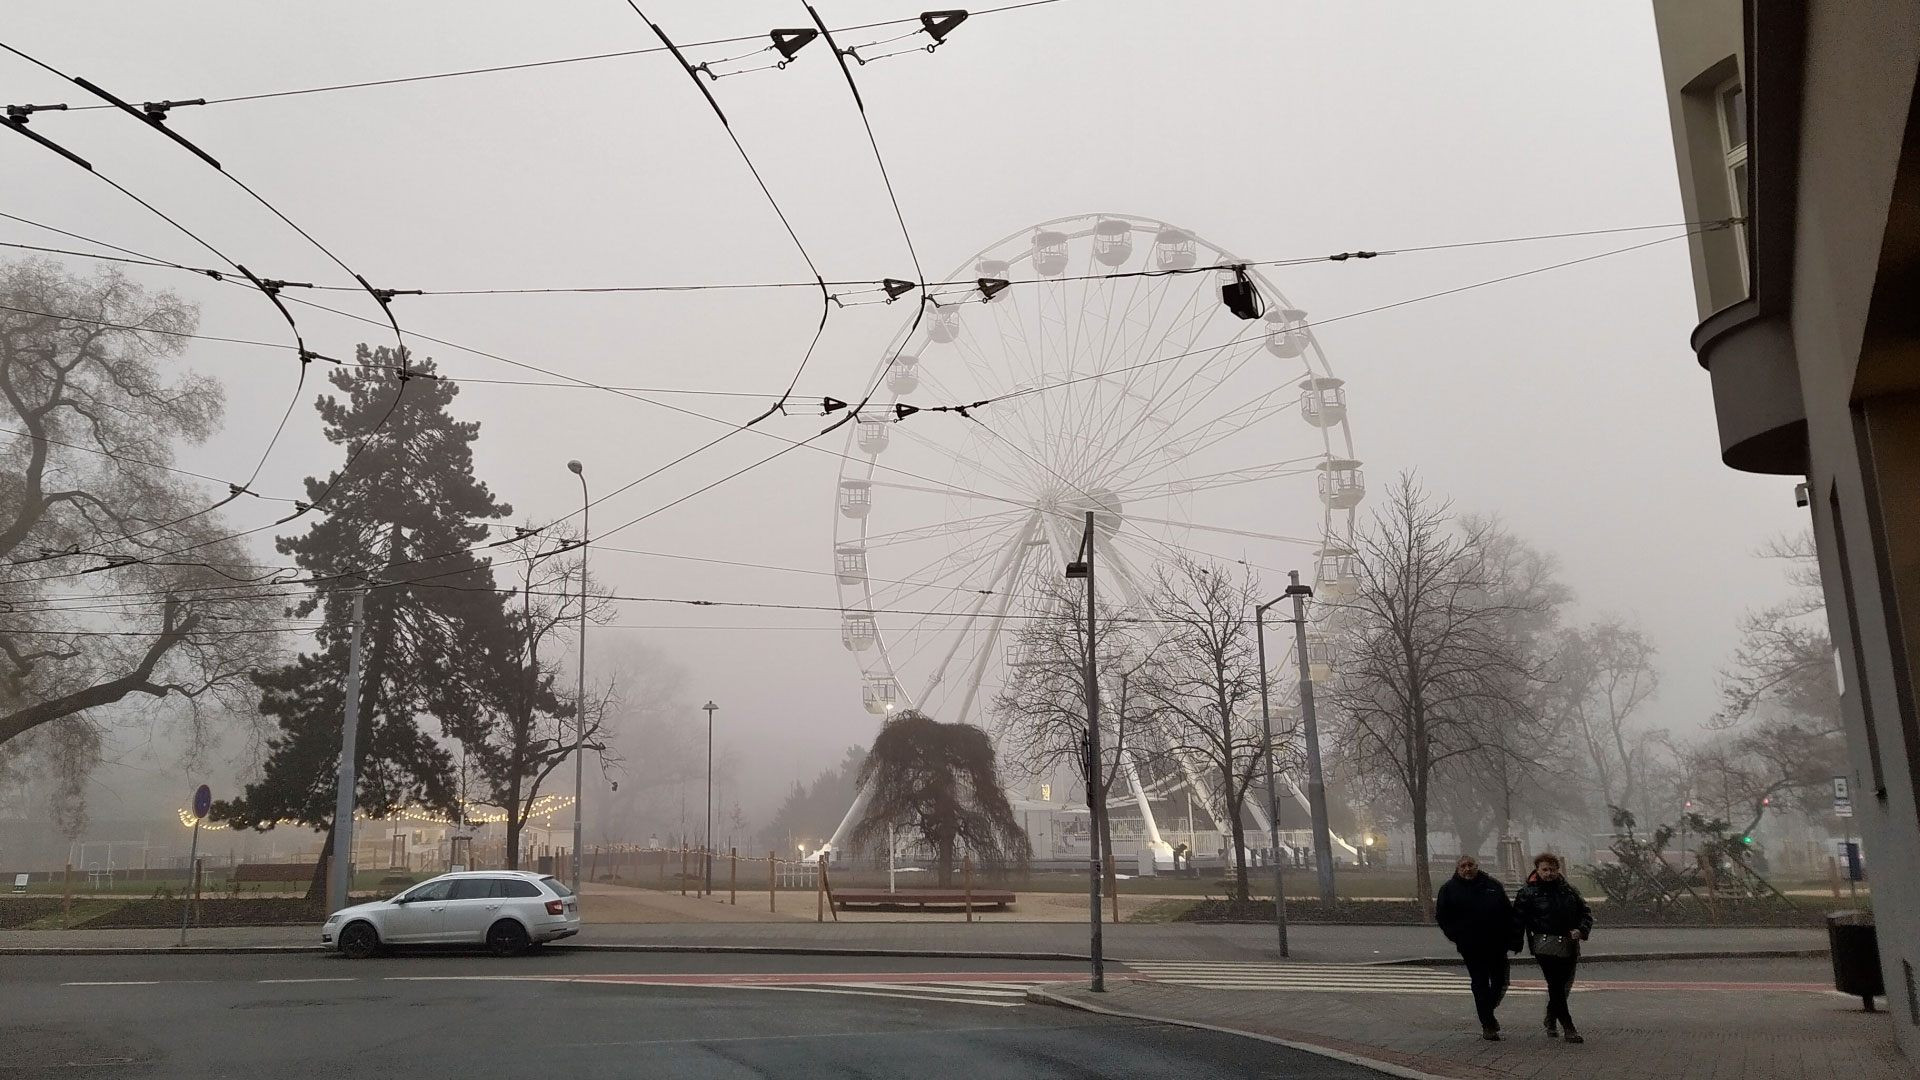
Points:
(1121, 386)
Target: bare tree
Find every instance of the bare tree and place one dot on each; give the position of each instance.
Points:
(525, 729)
(1605, 675)
(90, 505)
(1519, 770)
(1785, 658)
(1428, 667)
(1780, 705)
(1203, 678)
(1042, 707)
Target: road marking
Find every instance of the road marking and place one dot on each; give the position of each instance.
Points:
(899, 992)
(1321, 978)
(345, 978)
(1391, 979)
(127, 982)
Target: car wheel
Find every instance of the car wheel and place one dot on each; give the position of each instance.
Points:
(359, 940)
(507, 938)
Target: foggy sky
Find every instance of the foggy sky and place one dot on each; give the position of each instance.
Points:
(1566, 402)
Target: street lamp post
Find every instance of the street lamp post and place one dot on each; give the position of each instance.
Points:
(1316, 785)
(1083, 568)
(708, 842)
(1273, 785)
(580, 695)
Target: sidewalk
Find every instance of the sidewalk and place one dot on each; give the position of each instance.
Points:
(1632, 1034)
(910, 936)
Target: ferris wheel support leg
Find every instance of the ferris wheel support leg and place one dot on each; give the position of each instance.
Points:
(1161, 851)
(847, 823)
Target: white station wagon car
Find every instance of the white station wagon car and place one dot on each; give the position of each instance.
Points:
(506, 910)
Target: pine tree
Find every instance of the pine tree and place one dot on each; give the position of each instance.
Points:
(398, 519)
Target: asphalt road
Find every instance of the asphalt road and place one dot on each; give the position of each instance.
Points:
(583, 1015)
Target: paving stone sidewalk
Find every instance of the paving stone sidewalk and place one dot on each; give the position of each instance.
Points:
(1631, 1034)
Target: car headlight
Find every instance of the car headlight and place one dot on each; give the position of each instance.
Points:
(331, 919)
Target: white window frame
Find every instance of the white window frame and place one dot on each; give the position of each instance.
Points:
(1734, 158)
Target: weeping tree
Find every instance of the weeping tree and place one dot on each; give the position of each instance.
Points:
(940, 781)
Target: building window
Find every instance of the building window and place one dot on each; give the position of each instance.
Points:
(1730, 101)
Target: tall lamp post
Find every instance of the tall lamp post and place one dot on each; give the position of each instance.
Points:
(708, 842)
(1273, 785)
(1316, 784)
(1082, 567)
(580, 695)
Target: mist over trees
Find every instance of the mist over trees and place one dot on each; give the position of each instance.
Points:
(124, 585)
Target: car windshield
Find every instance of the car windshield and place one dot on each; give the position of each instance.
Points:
(559, 887)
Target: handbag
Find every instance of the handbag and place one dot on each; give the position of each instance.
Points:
(1554, 945)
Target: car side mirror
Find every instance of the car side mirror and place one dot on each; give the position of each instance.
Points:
(403, 899)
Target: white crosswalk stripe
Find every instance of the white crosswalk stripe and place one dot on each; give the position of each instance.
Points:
(1000, 995)
(1304, 977)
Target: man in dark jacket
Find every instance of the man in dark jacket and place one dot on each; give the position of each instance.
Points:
(1474, 913)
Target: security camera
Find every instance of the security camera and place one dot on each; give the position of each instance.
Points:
(1801, 495)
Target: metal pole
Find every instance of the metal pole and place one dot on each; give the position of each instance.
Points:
(1273, 788)
(347, 777)
(1316, 785)
(708, 842)
(580, 695)
(1095, 800)
(186, 894)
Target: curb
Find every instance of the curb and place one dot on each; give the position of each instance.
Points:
(1624, 958)
(1040, 996)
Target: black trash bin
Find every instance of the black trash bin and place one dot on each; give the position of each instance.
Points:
(1855, 946)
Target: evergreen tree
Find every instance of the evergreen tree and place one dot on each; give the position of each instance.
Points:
(397, 519)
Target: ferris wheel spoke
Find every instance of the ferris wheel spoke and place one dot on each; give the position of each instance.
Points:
(1300, 466)
(924, 439)
(1166, 442)
(1178, 380)
(936, 530)
(952, 492)
(1014, 555)
(1168, 343)
(1101, 364)
(1188, 445)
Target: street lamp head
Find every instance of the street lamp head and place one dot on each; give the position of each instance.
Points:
(1076, 570)
(1299, 590)
(709, 706)
(574, 467)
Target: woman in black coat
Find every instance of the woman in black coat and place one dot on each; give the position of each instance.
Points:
(1556, 919)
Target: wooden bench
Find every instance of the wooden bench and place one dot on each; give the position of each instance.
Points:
(272, 872)
(921, 898)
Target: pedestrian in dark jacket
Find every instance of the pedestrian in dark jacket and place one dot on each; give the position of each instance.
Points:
(1473, 912)
(1556, 919)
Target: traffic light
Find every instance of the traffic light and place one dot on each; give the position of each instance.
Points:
(1747, 839)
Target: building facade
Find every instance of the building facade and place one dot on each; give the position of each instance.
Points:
(1799, 117)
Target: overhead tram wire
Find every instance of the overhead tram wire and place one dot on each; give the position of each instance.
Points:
(559, 61)
(1044, 387)
(826, 298)
(954, 288)
(1055, 385)
(153, 115)
(234, 490)
(919, 275)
